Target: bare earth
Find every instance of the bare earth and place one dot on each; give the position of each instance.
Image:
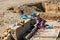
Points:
(8, 18)
(8, 3)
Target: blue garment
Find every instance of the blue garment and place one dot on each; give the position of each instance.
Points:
(24, 16)
(33, 14)
(49, 26)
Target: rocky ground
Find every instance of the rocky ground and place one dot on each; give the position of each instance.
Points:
(8, 17)
(47, 34)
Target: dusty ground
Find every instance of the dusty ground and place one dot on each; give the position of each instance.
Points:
(47, 34)
(4, 4)
(50, 16)
(7, 18)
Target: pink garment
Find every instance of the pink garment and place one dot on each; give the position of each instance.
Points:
(37, 21)
(42, 23)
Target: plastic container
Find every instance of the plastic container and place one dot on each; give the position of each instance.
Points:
(22, 21)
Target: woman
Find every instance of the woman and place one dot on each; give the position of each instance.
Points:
(38, 22)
